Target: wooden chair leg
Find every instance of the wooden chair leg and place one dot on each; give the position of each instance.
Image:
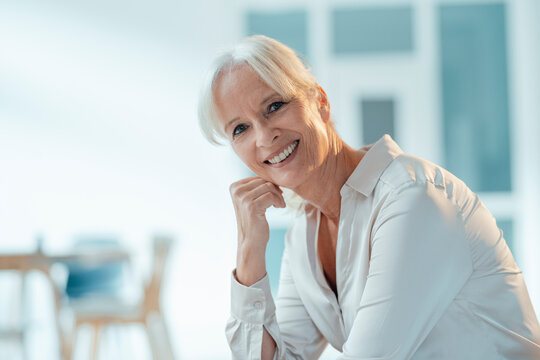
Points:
(95, 342)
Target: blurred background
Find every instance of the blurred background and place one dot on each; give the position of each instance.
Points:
(102, 161)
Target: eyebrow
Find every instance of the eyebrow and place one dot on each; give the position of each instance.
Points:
(262, 102)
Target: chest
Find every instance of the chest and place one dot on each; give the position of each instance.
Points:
(343, 261)
(326, 248)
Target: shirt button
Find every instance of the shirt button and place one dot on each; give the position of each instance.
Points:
(258, 305)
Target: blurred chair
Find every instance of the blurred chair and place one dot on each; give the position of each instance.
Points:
(22, 264)
(98, 277)
(100, 312)
(14, 326)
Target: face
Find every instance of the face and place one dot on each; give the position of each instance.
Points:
(284, 141)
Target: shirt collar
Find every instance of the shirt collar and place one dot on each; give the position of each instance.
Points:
(375, 161)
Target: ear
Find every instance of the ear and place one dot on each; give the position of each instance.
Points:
(324, 104)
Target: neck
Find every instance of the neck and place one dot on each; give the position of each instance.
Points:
(322, 190)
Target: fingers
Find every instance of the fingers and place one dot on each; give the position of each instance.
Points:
(261, 203)
(250, 189)
(267, 192)
(246, 184)
(251, 198)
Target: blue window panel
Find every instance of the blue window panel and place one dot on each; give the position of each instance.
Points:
(377, 119)
(288, 27)
(274, 252)
(475, 95)
(372, 30)
(507, 227)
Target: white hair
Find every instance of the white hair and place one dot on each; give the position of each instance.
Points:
(276, 64)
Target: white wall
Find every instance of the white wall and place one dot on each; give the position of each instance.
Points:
(98, 133)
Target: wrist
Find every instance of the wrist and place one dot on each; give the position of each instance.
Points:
(250, 265)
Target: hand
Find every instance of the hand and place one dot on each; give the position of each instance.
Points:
(251, 197)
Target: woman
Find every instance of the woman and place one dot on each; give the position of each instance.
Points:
(390, 256)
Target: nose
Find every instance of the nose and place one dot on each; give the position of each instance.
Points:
(266, 135)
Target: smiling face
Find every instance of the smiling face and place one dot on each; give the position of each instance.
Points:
(281, 140)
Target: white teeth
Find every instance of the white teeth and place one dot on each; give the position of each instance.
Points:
(288, 150)
(284, 154)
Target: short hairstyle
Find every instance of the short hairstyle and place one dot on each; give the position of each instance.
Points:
(276, 64)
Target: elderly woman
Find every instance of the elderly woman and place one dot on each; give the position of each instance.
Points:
(389, 257)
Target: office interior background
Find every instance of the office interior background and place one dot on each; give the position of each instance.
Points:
(99, 133)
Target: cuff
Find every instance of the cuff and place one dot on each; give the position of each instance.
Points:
(253, 304)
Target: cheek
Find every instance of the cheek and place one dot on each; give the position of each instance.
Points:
(247, 155)
(242, 153)
(314, 145)
(316, 141)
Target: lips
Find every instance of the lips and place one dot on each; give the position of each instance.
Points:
(283, 154)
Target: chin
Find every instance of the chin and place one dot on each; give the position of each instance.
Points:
(287, 183)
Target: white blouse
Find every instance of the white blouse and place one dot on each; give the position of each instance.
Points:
(422, 272)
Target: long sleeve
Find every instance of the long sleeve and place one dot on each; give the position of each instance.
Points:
(253, 308)
(419, 261)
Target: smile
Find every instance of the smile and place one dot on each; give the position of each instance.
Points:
(284, 154)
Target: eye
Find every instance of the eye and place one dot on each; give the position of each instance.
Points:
(275, 106)
(239, 129)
